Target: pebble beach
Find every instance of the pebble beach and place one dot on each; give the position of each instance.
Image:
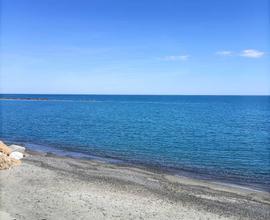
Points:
(47, 186)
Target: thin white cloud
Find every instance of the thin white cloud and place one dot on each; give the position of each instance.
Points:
(251, 53)
(177, 58)
(224, 53)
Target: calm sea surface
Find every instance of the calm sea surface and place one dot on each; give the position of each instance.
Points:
(224, 138)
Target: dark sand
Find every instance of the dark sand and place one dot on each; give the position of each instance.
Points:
(51, 187)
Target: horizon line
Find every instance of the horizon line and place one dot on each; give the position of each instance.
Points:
(117, 94)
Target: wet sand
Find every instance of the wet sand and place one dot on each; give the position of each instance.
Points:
(51, 187)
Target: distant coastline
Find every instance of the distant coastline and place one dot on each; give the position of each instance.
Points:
(27, 99)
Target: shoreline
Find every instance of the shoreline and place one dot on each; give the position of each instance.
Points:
(181, 173)
(51, 182)
(173, 176)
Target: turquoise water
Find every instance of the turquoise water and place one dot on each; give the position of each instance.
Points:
(224, 138)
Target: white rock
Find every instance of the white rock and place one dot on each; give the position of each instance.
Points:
(16, 155)
(17, 148)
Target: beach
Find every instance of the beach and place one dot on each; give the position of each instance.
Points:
(134, 110)
(46, 186)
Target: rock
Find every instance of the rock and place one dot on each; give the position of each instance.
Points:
(4, 149)
(16, 155)
(7, 162)
(17, 148)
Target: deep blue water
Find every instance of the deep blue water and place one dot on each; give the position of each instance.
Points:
(225, 138)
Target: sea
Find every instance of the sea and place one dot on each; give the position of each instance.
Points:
(219, 138)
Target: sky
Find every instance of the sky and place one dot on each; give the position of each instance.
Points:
(185, 47)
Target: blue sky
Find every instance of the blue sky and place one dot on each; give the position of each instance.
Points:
(135, 47)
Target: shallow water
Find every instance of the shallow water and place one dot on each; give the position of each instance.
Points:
(219, 137)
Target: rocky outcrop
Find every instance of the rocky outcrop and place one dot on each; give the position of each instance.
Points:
(7, 162)
(10, 156)
(4, 148)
